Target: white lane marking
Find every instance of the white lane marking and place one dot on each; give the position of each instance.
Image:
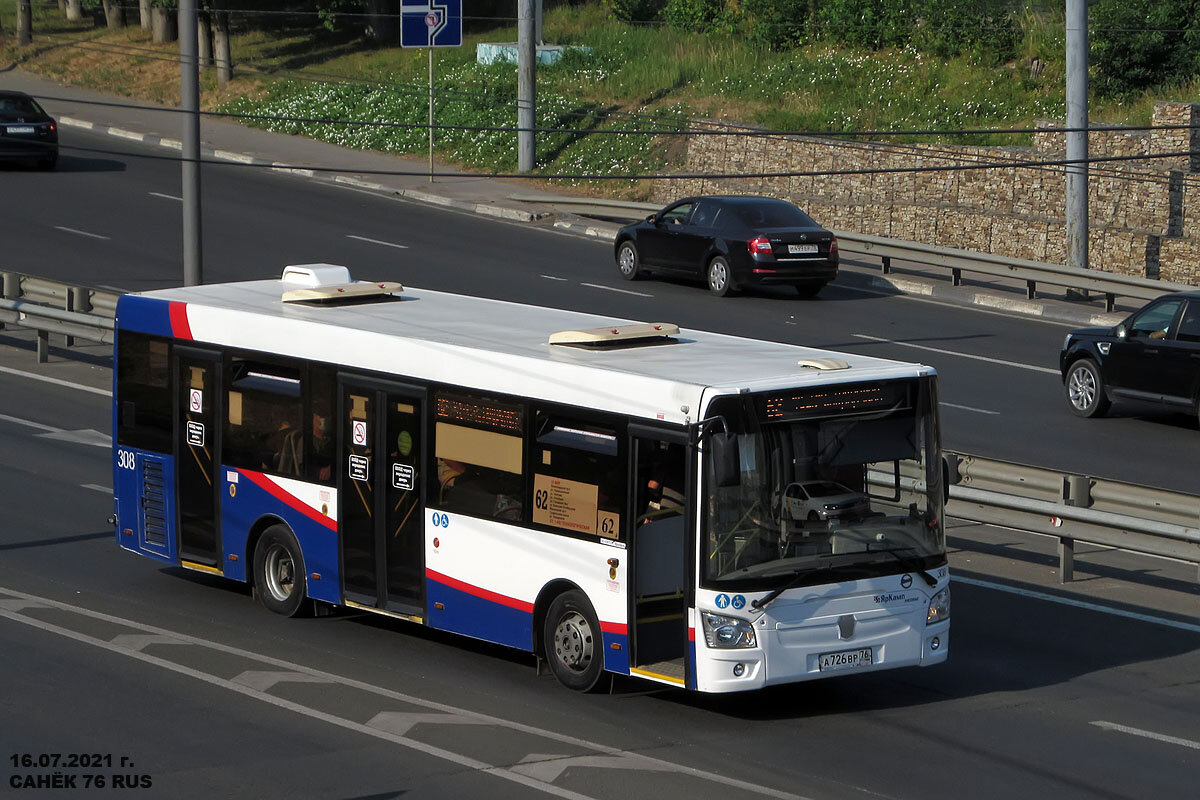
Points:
(377, 241)
(95, 487)
(166, 196)
(969, 408)
(120, 133)
(55, 381)
(81, 233)
(613, 289)
(28, 600)
(31, 424)
(1067, 601)
(999, 361)
(553, 278)
(83, 436)
(1158, 737)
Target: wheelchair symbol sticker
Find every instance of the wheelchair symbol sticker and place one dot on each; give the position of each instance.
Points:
(722, 601)
(739, 601)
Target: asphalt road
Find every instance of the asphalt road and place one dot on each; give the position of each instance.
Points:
(1081, 693)
(108, 217)
(204, 694)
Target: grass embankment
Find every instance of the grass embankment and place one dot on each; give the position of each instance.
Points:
(628, 78)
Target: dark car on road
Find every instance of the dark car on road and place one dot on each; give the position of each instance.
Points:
(731, 242)
(27, 132)
(1152, 357)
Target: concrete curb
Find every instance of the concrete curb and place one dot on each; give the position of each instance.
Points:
(1055, 311)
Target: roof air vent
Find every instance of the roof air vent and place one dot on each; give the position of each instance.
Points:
(823, 363)
(618, 336)
(325, 284)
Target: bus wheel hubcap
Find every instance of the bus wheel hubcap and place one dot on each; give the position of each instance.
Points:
(573, 641)
(281, 572)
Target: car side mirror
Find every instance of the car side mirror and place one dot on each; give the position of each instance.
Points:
(1122, 331)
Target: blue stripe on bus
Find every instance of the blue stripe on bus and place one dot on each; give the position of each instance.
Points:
(479, 618)
(616, 660)
(318, 544)
(144, 315)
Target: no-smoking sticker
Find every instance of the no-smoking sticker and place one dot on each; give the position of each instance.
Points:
(359, 433)
(195, 400)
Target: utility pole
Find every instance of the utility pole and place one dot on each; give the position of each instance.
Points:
(526, 84)
(189, 95)
(1077, 137)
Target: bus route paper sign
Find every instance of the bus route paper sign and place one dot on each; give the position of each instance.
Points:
(565, 504)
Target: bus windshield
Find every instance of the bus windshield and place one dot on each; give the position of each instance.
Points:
(823, 484)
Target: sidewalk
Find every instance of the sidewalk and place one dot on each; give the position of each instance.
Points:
(224, 140)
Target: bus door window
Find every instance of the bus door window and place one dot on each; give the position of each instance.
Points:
(404, 518)
(195, 465)
(660, 556)
(358, 492)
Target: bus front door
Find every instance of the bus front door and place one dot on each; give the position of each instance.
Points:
(381, 496)
(661, 575)
(197, 434)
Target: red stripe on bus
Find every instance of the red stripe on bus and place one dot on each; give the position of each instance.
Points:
(692, 635)
(619, 628)
(484, 594)
(278, 492)
(180, 328)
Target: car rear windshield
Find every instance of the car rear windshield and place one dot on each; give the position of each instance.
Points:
(774, 215)
(19, 105)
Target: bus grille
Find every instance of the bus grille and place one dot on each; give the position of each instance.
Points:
(154, 526)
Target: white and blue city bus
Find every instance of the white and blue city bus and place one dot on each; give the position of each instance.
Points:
(700, 510)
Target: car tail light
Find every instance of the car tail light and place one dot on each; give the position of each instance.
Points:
(759, 246)
(53, 127)
(833, 248)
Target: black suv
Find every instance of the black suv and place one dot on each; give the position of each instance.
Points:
(1152, 357)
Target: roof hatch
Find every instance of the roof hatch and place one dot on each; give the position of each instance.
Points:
(323, 284)
(823, 363)
(618, 336)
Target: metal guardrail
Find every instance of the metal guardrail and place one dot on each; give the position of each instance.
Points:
(52, 307)
(1075, 508)
(1110, 284)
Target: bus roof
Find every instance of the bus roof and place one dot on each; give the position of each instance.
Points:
(497, 346)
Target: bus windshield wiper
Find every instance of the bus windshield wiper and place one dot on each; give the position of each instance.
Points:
(912, 565)
(773, 595)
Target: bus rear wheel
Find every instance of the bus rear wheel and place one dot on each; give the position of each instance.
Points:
(572, 642)
(279, 571)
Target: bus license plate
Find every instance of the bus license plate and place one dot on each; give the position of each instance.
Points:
(802, 248)
(845, 659)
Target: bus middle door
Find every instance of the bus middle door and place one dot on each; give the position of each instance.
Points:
(380, 489)
(197, 444)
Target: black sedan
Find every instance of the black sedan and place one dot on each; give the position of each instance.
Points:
(1153, 357)
(731, 242)
(27, 132)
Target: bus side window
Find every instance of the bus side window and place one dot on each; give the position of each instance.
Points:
(478, 449)
(144, 418)
(264, 417)
(578, 475)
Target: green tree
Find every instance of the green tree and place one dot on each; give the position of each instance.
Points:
(1136, 44)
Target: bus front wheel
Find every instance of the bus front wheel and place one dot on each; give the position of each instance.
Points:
(572, 641)
(279, 571)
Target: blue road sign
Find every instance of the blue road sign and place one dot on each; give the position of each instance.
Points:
(431, 23)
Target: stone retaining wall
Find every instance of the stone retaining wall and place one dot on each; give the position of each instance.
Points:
(1144, 214)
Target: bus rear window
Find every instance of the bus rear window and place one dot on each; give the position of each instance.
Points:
(143, 392)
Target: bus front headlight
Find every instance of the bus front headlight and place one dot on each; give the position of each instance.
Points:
(939, 607)
(727, 632)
